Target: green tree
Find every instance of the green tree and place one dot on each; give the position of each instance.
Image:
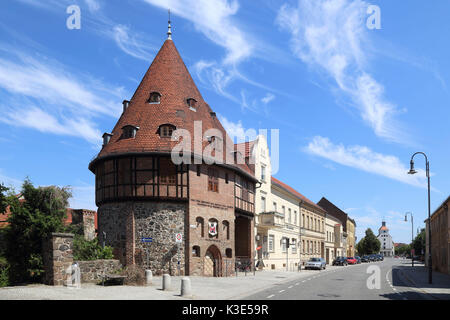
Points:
(403, 250)
(360, 247)
(3, 198)
(419, 243)
(371, 244)
(31, 221)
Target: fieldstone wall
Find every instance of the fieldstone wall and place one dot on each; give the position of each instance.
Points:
(125, 223)
(160, 221)
(91, 270)
(112, 223)
(58, 257)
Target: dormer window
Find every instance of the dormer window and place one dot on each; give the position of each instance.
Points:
(212, 139)
(192, 104)
(166, 130)
(106, 138)
(155, 98)
(129, 131)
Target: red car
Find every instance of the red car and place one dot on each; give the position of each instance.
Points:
(351, 260)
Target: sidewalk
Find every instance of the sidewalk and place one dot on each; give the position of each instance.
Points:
(418, 277)
(203, 288)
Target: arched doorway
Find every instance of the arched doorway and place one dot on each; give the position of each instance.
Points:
(212, 262)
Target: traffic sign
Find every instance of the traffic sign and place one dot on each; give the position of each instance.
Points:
(178, 237)
(146, 239)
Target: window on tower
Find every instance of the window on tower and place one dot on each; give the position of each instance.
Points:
(129, 131)
(155, 98)
(166, 130)
(192, 104)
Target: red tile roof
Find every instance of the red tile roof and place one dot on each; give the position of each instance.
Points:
(295, 193)
(168, 76)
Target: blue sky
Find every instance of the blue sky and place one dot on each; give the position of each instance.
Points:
(352, 104)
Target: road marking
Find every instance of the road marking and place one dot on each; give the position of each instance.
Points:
(270, 296)
(280, 291)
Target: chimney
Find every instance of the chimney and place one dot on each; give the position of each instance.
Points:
(125, 104)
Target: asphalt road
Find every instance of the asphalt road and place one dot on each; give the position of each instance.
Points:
(346, 283)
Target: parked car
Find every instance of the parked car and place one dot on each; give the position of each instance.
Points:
(358, 259)
(351, 260)
(365, 259)
(340, 261)
(316, 263)
(372, 257)
(381, 257)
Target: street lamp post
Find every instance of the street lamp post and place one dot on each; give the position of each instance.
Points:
(412, 234)
(412, 171)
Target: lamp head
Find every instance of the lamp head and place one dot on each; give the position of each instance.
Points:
(411, 170)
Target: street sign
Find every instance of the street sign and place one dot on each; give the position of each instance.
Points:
(146, 239)
(178, 237)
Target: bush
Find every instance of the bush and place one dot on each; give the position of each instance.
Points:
(4, 272)
(85, 250)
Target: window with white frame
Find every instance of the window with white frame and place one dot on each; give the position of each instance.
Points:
(289, 215)
(271, 242)
(275, 207)
(263, 204)
(283, 244)
(293, 245)
(263, 173)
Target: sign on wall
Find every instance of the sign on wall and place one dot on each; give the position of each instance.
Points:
(178, 237)
(212, 228)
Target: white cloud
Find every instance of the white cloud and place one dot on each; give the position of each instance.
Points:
(363, 158)
(93, 5)
(268, 98)
(131, 44)
(46, 96)
(214, 19)
(330, 36)
(237, 130)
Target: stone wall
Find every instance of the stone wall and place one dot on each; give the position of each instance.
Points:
(57, 257)
(112, 223)
(125, 223)
(87, 220)
(91, 270)
(160, 221)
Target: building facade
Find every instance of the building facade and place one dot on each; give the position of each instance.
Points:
(346, 241)
(440, 238)
(282, 213)
(334, 239)
(351, 237)
(387, 244)
(168, 173)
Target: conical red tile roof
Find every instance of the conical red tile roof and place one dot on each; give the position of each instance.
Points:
(168, 76)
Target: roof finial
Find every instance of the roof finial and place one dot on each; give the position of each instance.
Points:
(169, 32)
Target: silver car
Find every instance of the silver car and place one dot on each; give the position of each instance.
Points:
(316, 263)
